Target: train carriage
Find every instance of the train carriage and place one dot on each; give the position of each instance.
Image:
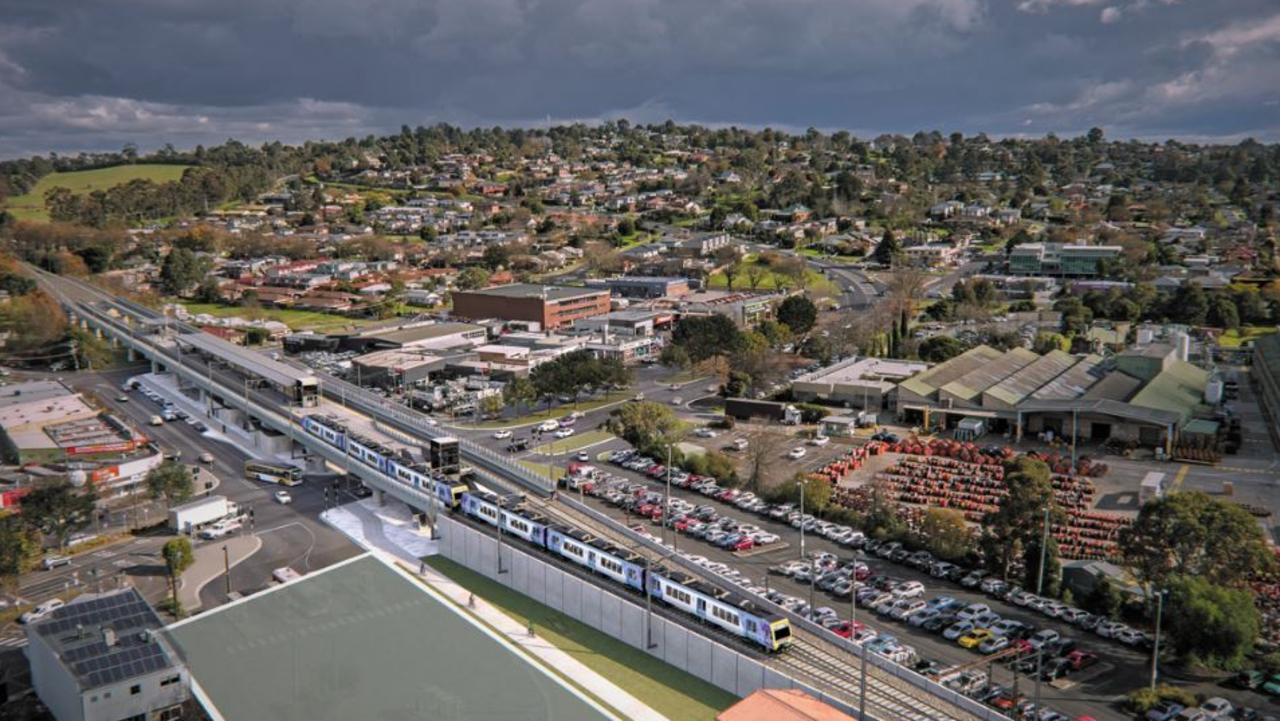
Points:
(449, 492)
(731, 613)
(602, 558)
(326, 429)
(521, 523)
(482, 506)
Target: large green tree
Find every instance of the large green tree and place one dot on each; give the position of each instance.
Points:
(171, 481)
(1208, 623)
(1194, 534)
(645, 423)
(59, 510)
(1017, 526)
(798, 313)
(18, 549)
(178, 557)
(706, 336)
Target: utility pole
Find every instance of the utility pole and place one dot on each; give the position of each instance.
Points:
(648, 607)
(226, 567)
(1044, 547)
(666, 511)
(1155, 648)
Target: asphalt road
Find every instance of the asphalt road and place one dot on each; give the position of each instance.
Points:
(292, 535)
(1097, 691)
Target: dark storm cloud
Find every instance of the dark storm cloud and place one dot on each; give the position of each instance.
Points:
(97, 73)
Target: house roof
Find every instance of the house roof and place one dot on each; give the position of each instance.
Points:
(772, 704)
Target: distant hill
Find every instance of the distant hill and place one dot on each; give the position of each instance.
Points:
(31, 205)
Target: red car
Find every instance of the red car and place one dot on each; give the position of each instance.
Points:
(861, 572)
(845, 629)
(746, 544)
(1007, 700)
(645, 509)
(656, 471)
(683, 523)
(1022, 645)
(727, 495)
(1081, 659)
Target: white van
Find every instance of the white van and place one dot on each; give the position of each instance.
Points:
(285, 575)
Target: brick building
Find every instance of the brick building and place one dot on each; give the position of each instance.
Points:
(550, 306)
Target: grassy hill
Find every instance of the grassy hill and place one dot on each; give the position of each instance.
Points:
(31, 205)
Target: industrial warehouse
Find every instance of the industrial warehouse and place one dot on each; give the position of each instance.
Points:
(1149, 395)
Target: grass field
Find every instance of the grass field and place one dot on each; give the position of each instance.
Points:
(666, 689)
(573, 443)
(31, 205)
(1237, 338)
(544, 470)
(295, 319)
(817, 282)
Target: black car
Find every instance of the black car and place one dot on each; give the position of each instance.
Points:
(938, 624)
(1061, 647)
(1055, 669)
(929, 668)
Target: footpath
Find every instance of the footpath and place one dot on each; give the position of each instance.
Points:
(390, 532)
(210, 564)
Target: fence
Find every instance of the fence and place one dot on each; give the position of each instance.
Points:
(623, 619)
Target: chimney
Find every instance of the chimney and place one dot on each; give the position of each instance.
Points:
(109, 637)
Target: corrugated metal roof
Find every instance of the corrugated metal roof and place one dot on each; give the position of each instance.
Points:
(1072, 383)
(1032, 376)
(1179, 389)
(986, 375)
(924, 384)
(1114, 386)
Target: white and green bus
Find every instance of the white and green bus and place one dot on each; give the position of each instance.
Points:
(282, 473)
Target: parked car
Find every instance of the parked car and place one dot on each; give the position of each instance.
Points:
(1164, 711)
(41, 611)
(796, 453)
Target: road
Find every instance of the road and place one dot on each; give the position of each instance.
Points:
(292, 535)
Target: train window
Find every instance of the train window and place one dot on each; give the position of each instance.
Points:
(781, 632)
(751, 626)
(572, 550)
(519, 525)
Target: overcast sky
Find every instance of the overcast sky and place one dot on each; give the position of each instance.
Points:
(95, 74)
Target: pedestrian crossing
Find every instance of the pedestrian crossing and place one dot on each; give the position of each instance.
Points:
(13, 642)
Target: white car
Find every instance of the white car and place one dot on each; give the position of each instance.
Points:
(1217, 708)
(283, 497)
(206, 457)
(564, 433)
(41, 611)
(796, 453)
(501, 434)
(819, 441)
(677, 401)
(705, 433)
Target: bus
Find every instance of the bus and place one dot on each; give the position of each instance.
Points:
(282, 473)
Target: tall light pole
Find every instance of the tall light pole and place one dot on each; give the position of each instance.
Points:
(1155, 648)
(1044, 547)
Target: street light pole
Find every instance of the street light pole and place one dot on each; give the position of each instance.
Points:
(226, 567)
(1044, 546)
(1155, 648)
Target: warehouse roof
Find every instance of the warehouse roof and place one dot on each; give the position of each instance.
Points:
(986, 375)
(924, 384)
(530, 290)
(1073, 382)
(405, 336)
(361, 640)
(1032, 376)
(1179, 389)
(1114, 386)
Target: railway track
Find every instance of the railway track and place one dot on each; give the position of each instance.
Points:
(810, 660)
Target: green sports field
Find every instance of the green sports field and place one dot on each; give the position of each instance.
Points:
(31, 205)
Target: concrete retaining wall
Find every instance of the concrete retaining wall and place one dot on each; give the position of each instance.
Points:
(622, 618)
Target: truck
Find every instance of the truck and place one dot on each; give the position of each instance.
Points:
(189, 517)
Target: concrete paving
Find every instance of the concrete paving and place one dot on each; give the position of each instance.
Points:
(210, 564)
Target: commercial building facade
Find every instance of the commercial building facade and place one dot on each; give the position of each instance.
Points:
(1058, 259)
(550, 307)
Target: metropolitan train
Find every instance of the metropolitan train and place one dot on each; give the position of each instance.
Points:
(729, 612)
(385, 460)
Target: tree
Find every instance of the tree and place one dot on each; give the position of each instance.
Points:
(178, 557)
(888, 250)
(181, 270)
(940, 348)
(491, 406)
(817, 491)
(171, 481)
(730, 272)
(675, 357)
(472, 278)
(59, 510)
(1018, 523)
(1211, 624)
(519, 391)
(1195, 534)
(1046, 342)
(705, 336)
(795, 271)
(645, 422)
(18, 550)
(1104, 599)
(798, 313)
(756, 273)
(944, 532)
(496, 255)
(762, 455)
